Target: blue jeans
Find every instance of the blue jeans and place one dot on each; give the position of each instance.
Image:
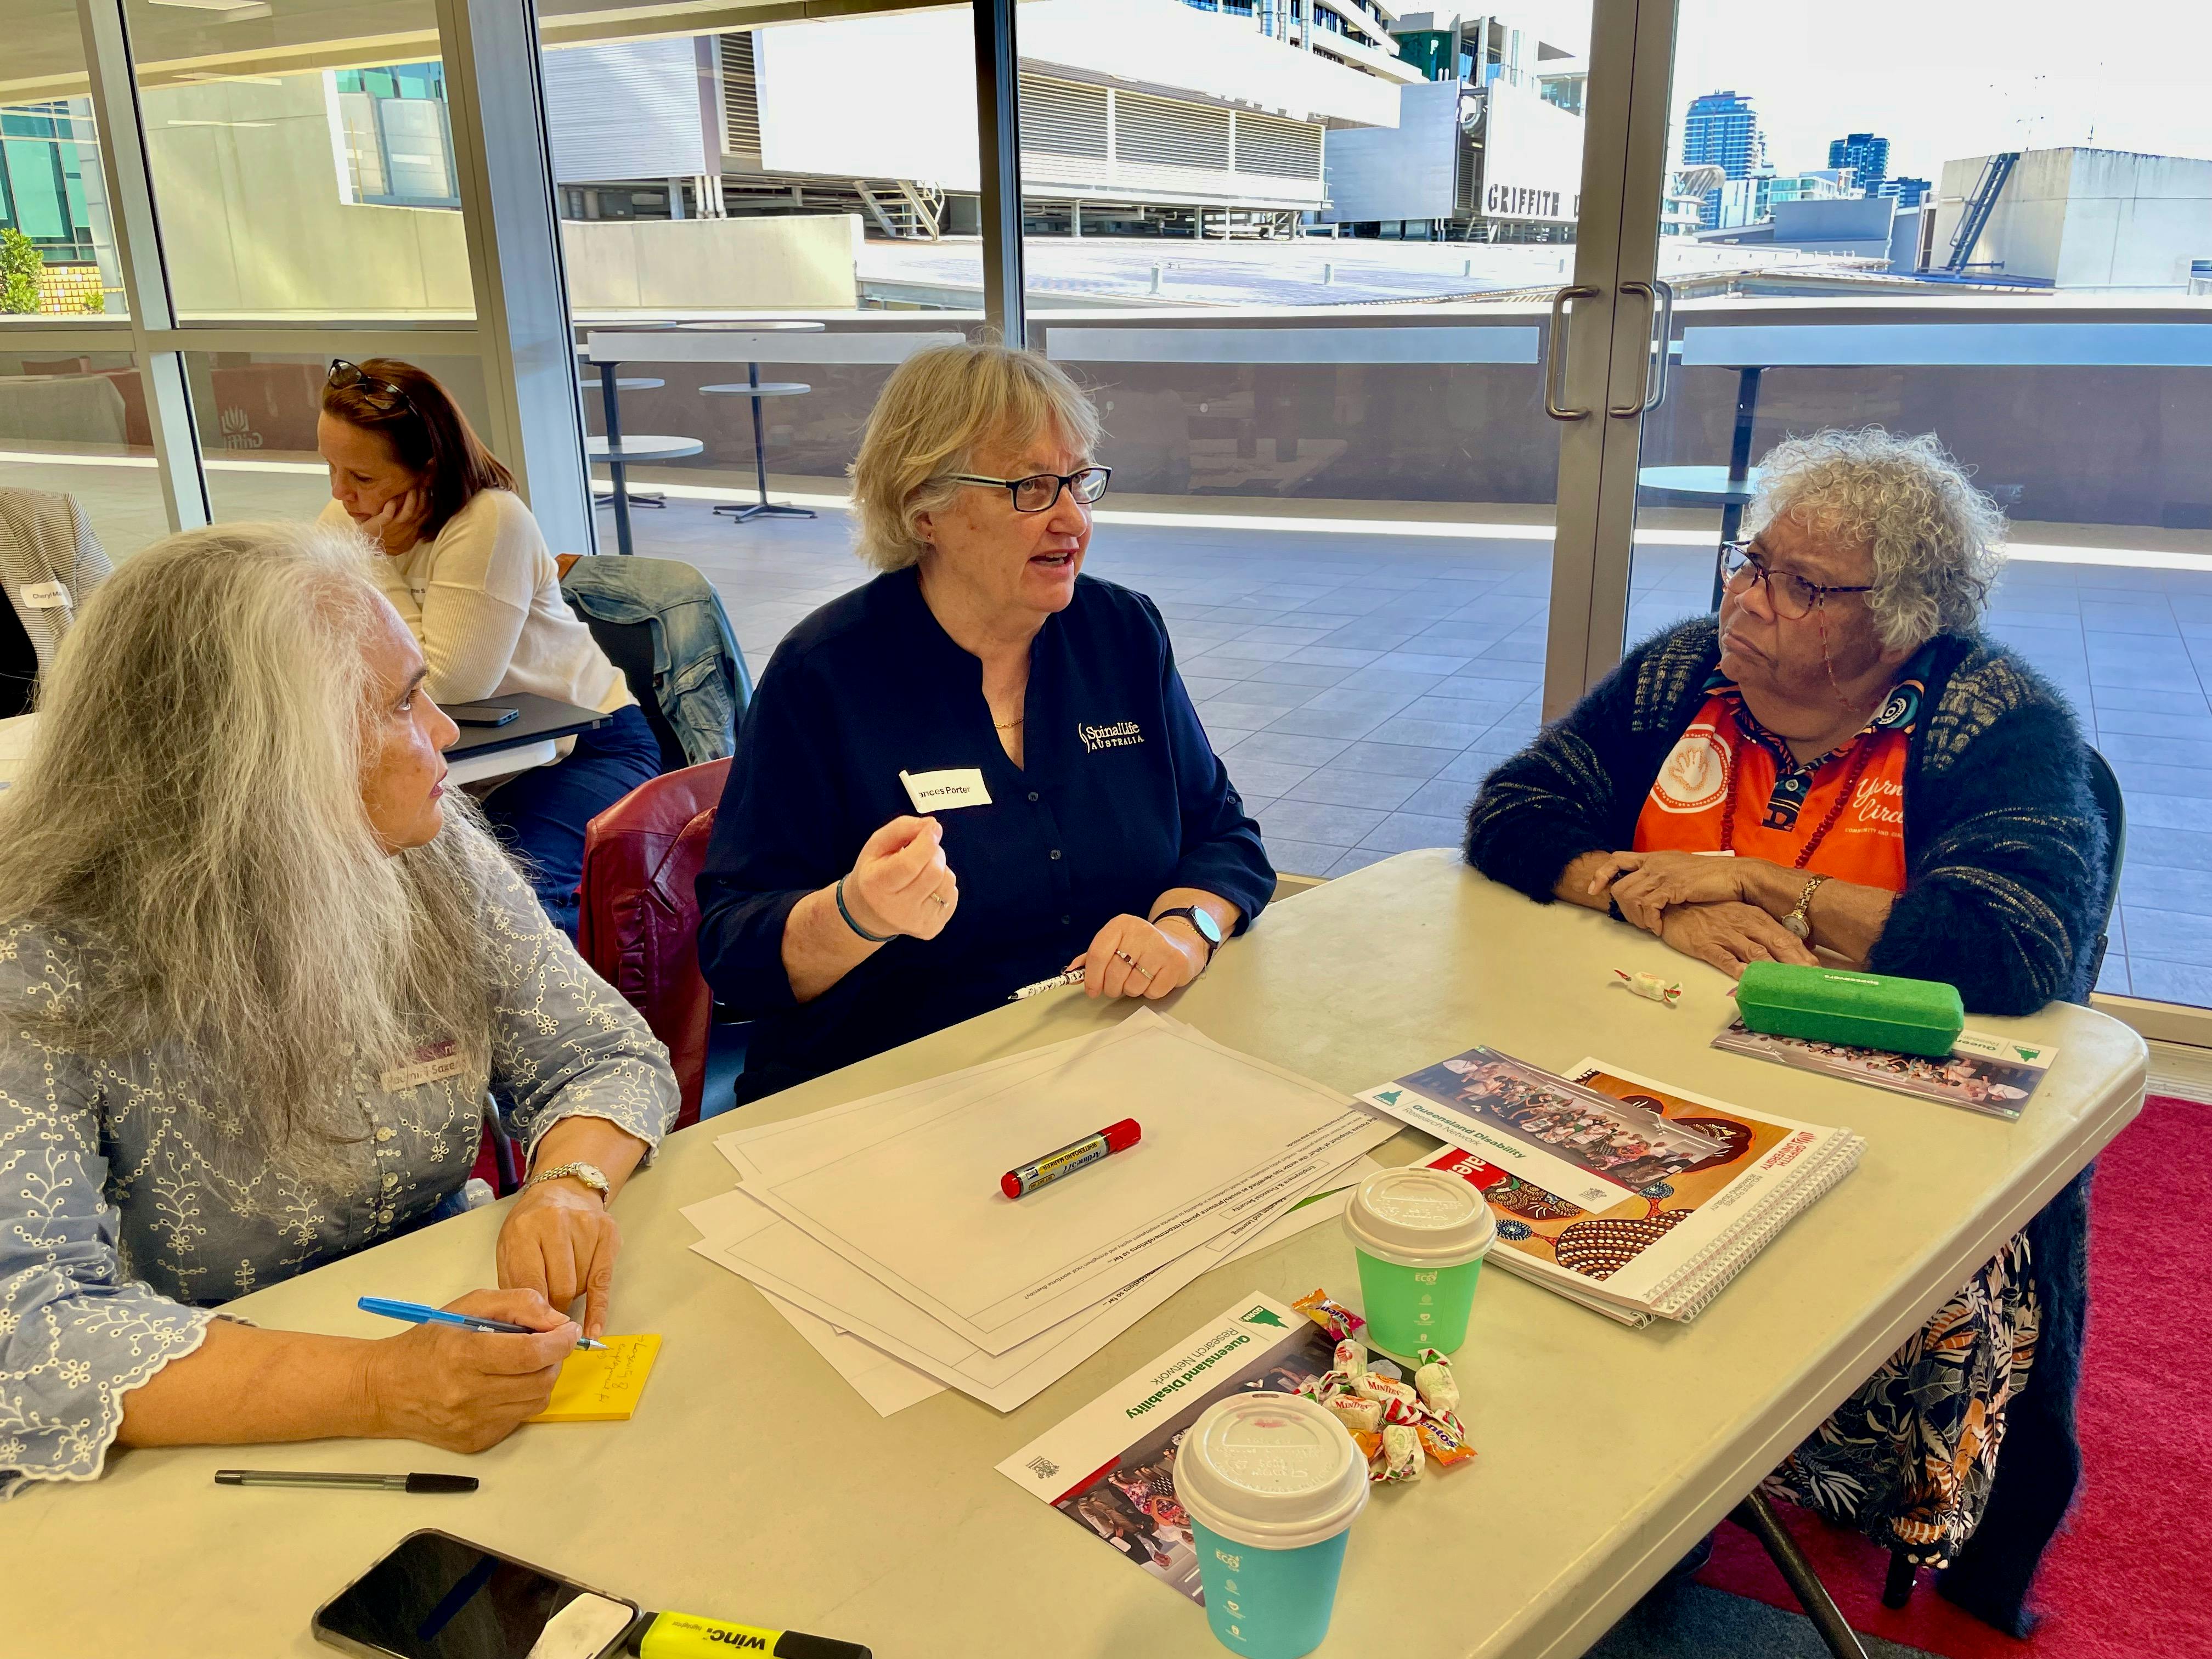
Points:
(539, 815)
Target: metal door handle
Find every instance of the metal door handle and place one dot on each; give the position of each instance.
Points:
(1660, 297)
(1555, 366)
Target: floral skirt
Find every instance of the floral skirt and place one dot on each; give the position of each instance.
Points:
(1908, 1459)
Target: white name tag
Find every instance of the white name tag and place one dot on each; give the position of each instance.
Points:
(956, 786)
(46, 595)
(400, 1078)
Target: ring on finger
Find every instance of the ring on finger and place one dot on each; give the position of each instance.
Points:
(1126, 957)
(1149, 973)
(938, 898)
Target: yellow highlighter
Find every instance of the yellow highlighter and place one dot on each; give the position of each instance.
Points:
(687, 1636)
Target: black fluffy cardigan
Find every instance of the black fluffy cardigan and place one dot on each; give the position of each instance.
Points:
(2005, 880)
(2004, 897)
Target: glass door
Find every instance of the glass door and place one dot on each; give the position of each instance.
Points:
(2009, 260)
(1310, 262)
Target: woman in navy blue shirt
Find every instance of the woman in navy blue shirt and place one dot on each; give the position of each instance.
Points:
(977, 770)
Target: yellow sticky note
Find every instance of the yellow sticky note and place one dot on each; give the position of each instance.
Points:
(601, 1387)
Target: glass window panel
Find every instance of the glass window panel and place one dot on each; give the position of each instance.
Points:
(51, 191)
(1352, 544)
(1836, 180)
(282, 196)
(76, 424)
(257, 413)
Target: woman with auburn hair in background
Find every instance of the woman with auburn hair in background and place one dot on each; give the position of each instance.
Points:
(469, 572)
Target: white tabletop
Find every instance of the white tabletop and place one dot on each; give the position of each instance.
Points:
(754, 1485)
(646, 447)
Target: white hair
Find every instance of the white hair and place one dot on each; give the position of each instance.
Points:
(1936, 541)
(190, 818)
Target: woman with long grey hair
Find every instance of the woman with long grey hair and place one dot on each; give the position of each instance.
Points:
(258, 968)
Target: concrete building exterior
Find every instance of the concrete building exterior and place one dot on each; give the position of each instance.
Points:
(2093, 220)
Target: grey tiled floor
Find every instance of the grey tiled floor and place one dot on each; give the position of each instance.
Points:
(1360, 687)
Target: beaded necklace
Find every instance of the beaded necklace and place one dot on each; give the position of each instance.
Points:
(1862, 754)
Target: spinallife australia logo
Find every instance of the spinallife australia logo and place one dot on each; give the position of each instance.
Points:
(1122, 734)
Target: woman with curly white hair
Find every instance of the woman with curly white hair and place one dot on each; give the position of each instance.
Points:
(1900, 793)
(257, 968)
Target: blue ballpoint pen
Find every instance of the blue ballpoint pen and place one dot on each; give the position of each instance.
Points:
(415, 1313)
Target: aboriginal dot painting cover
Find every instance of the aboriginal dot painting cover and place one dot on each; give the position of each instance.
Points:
(1632, 1197)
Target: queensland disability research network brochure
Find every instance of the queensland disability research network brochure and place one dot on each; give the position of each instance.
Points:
(1110, 1467)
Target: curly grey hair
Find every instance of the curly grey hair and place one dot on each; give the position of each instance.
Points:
(1937, 540)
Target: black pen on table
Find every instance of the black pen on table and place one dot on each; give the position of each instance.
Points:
(414, 1483)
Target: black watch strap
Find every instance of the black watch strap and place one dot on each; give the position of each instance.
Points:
(1190, 913)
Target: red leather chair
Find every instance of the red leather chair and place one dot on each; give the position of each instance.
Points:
(638, 916)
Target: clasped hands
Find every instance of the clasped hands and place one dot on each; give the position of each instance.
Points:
(1704, 907)
(902, 883)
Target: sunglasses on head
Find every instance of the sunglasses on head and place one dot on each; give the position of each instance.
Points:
(382, 396)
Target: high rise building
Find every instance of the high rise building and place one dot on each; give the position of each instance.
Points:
(1907, 192)
(1866, 155)
(1723, 129)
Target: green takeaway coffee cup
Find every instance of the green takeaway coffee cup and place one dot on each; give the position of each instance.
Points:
(1272, 1483)
(1420, 1236)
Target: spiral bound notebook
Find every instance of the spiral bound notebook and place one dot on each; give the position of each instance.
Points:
(1631, 1197)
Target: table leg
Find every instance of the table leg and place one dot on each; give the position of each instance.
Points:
(762, 507)
(610, 402)
(1746, 415)
(1758, 1518)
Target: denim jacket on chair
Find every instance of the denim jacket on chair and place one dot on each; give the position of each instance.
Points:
(699, 675)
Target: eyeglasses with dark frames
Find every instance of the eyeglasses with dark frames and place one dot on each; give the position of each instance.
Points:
(1040, 491)
(383, 396)
(1794, 597)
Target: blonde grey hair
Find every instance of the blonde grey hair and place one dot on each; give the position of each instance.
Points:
(1937, 540)
(191, 818)
(938, 408)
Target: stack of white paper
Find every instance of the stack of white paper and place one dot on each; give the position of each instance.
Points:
(881, 1225)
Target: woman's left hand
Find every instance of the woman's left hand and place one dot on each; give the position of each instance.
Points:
(1130, 957)
(1644, 883)
(559, 1240)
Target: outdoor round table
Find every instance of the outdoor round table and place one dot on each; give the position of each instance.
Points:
(627, 452)
(755, 388)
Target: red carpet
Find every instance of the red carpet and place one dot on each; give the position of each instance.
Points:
(2122, 1581)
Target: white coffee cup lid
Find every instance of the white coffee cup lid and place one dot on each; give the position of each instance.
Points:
(1418, 1217)
(1275, 1471)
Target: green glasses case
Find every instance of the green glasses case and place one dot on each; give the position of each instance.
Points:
(1838, 1004)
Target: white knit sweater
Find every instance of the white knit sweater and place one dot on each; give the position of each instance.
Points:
(484, 598)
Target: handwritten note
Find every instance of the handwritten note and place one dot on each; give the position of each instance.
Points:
(604, 1387)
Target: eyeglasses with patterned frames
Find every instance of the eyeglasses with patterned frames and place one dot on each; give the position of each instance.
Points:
(1794, 597)
(1040, 491)
(383, 396)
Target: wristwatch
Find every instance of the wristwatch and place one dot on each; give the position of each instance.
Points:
(1202, 923)
(590, 1174)
(1799, 921)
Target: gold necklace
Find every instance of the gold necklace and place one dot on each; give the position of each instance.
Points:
(1007, 726)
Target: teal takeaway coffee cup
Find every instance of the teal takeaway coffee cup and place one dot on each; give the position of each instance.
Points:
(1273, 1483)
(1420, 1236)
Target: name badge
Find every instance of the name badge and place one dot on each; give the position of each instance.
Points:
(46, 596)
(956, 786)
(446, 1061)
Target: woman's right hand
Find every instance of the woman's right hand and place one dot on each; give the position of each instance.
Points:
(901, 882)
(397, 525)
(466, 1390)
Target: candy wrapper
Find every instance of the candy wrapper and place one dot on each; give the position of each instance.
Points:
(1393, 1422)
(1360, 1416)
(1400, 1459)
(1654, 987)
(1340, 1322)
(1434, 1382)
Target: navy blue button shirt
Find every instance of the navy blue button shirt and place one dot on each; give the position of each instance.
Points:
(1121, 797)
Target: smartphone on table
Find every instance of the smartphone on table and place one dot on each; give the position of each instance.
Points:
(436, 1596)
